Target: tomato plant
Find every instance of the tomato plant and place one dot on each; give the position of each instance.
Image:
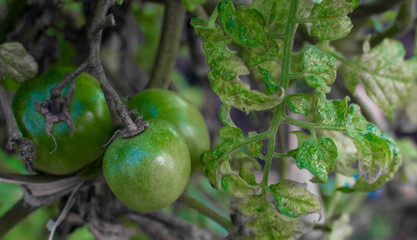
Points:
(169, 106)
(307, 103)
(89, 111)
(151, 170)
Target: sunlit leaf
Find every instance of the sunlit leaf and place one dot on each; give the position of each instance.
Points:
(16, 63)
(386, 76)
(318, 68)
(293, 199)
(329, 19)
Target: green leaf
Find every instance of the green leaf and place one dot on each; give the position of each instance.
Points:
(245, 172)
(301, 137)
(348, 154)
(293, 199)
(332, 112)
(16, 63)
(318, 68)
(210, 164)
(246, 28)
(298, 103)
(224, 115)
(226, 68)
(239, 158)
(375, 155)
(395, 163)
(191, 5)
(272, 221)
(317, 156)
(329, 20)
(275, 13)
(120, 2)
(254, 149)
(271, 85)
(354, 118)
(237, 186)
(230, 134)
(252, 205)
(386, 76)
(265, 220)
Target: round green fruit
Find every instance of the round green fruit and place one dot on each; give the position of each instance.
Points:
(88, 110)
(149, 171)
(167, 105)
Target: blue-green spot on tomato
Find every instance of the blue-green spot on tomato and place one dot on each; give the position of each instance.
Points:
(167, 105)
(89, 111)
(150, 170)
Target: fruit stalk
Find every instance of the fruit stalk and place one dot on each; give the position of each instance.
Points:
(14, 136)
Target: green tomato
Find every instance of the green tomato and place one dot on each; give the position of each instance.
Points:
(90, 114)
(148, 171)
(167, 105)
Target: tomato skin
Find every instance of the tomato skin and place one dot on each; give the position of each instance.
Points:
(148, 171)
(167, 105)
(88, 109)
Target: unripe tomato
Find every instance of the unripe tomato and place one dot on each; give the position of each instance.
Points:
(89, 112)
(148, 171)
(169, 106)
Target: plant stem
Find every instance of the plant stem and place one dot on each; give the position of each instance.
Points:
(331, 206)
(309, 125)
(14, 137)
(169, 43)
(203, 209)
(16, 214)
(276, 120)
(118, 110)
(288, 43)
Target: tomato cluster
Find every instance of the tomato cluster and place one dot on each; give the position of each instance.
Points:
(147, 171)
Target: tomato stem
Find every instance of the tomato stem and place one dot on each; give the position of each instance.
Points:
(203, 209)
(174, 16)
(14, 136)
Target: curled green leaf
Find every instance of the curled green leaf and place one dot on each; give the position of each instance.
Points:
(226, 69)
(246, 28)
(293, 199)
(237, 186)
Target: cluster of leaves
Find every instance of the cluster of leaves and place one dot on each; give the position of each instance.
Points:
(240, 40)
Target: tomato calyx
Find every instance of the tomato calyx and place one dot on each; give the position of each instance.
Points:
(130, 132)
(56, 110)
